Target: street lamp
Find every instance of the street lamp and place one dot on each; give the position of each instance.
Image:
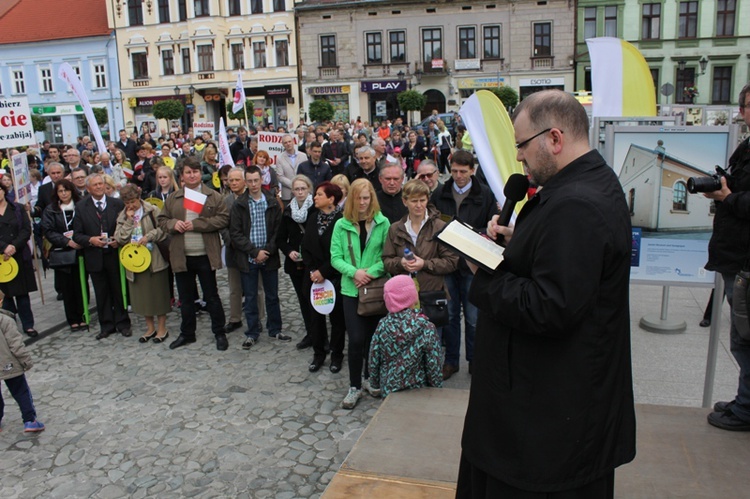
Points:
(176, 90)
(703, 63)
(400, 76)
(681, 65)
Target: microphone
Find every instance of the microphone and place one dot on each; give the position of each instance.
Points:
(515, 190)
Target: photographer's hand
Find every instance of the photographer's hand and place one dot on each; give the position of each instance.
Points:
(721, 194)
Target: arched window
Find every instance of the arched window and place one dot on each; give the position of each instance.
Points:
(679, 196)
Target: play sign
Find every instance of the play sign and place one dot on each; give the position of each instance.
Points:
(15, 123)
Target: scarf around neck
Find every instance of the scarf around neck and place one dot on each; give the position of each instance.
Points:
(299, 213)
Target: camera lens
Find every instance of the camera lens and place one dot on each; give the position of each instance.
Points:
(703, 184)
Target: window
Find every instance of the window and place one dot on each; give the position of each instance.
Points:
(688, 19)
(186, 60)
(398, 46)
(631, 202)
(19, 84)
(492, 45)
(135, 13)
(279, 5)
(589, 23)
(655, 77)
(201, 8)
(328, 51)
(163, 11)
(259, 54)
(235, 8)
(542, 39)
(610, 21)
(182, 9)
(140, 65)
(100, 75)
(684, 79)
(432, 45)
(374, 44)
(45, 80)
(256, 6)
(238, 56)
(651, 25)
(722, 85)
(167, 60)
(467, 43)
(282, 53)
(679, 196)
(205, 58)
(725, 11)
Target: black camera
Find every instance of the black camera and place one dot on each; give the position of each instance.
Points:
(708, 184)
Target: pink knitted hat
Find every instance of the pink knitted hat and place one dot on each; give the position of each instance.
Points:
(400, 293)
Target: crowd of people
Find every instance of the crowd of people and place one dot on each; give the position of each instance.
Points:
(344, 203)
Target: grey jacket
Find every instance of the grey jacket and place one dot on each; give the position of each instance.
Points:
(14, 359)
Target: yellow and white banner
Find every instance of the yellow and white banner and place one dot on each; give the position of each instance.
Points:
(493, 138)
(67, 73)
(621, 81)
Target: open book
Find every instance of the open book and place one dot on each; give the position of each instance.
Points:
(462, 239)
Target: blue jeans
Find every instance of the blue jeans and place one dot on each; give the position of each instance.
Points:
(250, 307)
(741, 350)
(458, 288)
(19, 388)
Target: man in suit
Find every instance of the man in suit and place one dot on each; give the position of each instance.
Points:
(128, 147)
(94, 228)
(286, 166)
(55, 171)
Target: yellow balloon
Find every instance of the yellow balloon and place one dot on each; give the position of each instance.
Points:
(8, 269)
(216, 180)
(156, 202)
(135, 257)
(168, 161)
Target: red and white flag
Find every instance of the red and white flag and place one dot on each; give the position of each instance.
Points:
(194, 200)
(128, 173)
(239, 95)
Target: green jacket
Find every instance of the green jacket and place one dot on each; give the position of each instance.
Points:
(372, 258)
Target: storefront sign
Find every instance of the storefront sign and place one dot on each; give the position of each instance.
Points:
(383, 86)
(15, 123)
(468, 64)
(541, 82)
(57, 110)
(279, 91)
(340, 89)
(150, 101)
(488, 82)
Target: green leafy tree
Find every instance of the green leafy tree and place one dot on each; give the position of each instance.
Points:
(239, 115)
(507, 96)
(171, 109)
(320, 110)
(100, 115)
(411, 100)
(39, 124)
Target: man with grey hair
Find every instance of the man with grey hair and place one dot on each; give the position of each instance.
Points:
(429, 173)
(287, 164)
(391, 178)
(381, 156)
(366, 167)
(55, 172)
(237, 186)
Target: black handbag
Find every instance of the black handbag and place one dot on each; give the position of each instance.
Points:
(435, 306)
(61, 258)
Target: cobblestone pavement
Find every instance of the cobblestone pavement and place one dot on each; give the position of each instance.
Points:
(140, 420)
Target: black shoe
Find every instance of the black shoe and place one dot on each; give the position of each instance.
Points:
(33, 333)
(335, 366)
(723, 406)
(315, 365)
(102, 335)
(727, 420)
(305, 343)
(232, 326)
(448, 371)
(126, 333)
(221, 342)
(705, 323)
(59, 297)
(181, 341)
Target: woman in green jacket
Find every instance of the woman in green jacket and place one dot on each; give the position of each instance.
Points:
(360, 234)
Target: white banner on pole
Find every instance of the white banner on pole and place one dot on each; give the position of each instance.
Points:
(225, 156)
(67, 74)
(16, 128)
(271, 143)
(21, 178)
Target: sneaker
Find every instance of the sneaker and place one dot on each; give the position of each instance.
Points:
(248, 343)
(351, 398)
(727, 420)
(33, 426)
(371, 389)
(282, 337)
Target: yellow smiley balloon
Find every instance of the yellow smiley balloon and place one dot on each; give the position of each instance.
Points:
(216, 180)
(135, 258)
(156, 202)
(8, 269)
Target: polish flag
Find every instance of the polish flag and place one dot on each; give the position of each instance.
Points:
(128, 173)
(194, 200)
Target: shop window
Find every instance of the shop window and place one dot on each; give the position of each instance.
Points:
(493, 47)
(282, 53)
(651, 21)
(140, 65)
(205, 58)
(688, 26)
(542, 39)
(163, 11)
(328, 51)
(679, 196)
(374, 44)
(398, 45)
(467, 42)
(722, 85)
(725, 14)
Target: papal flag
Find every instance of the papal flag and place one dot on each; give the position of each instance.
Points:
(493, 138)
(621, 81)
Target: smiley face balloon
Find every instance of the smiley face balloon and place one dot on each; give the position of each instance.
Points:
(8, 269)
(135, 258)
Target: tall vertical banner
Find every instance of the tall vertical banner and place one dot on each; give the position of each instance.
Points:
(238, 102)
(621, 81)
(225, 156)
(21, 178)
(16, 128)
(67, 74)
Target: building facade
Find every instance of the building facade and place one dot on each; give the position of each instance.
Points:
(73, 32)
(193, 50)
(698, 51)
(360, 55)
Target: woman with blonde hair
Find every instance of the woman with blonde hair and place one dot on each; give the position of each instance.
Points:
(342, 182)
(357, 252)
(165, 183)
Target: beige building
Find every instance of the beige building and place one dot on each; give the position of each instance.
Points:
(192, 50)
(360, 55)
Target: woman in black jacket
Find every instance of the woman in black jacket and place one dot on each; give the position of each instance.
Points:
(316, 254)
(57, 227)
(414, 151)
(289, 242)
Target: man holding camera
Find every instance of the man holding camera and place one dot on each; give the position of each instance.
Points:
(728, 250)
